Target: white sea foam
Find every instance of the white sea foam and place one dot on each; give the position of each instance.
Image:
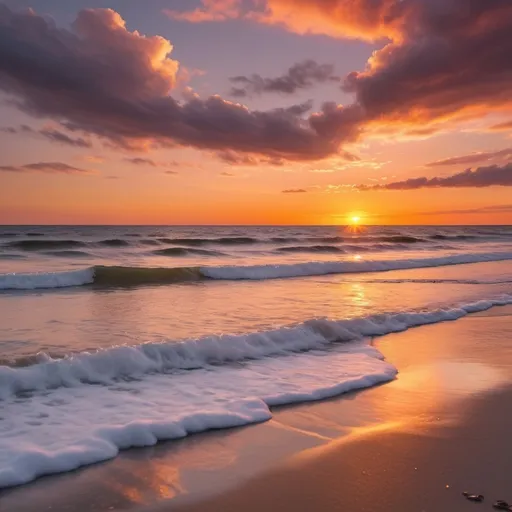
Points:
(149, 393)
(70, 427)
(18, 281)
(122, 362)
(316, 268)
(131, 276)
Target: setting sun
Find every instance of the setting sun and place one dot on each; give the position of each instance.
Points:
(355, 219)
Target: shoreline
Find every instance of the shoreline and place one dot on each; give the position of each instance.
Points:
(431, 397)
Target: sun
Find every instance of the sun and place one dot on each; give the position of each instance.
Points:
(355, 220)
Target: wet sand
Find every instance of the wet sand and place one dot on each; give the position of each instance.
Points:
(444, 426)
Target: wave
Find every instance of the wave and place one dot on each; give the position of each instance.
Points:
(312, 248)
(68, 254)
(453, 237)
(131, 276)
(316, 268)
(134, 276)
(34, 234)
(41, 245)
(107, 366)
(114, 242)
(153, 392)
(11, 256)
(238, 240)
(149, 241)
(186, 251)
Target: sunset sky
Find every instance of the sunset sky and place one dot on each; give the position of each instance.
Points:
(255, 111)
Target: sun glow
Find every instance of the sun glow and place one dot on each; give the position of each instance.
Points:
(355, 220)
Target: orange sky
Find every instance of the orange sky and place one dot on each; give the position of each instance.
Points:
(74, 158)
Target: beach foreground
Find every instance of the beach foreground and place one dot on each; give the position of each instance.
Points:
(443, 427)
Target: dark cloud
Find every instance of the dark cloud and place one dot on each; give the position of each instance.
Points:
(171, 172)
(490, 176)
(141, 161)
(51, 134)
(450, 59)
(444, 60)
(101, 79)
(474, 158)
(241, 159)
(45, 167)
(227, 174)
(294, 191)
(302, 75)
(60, 137)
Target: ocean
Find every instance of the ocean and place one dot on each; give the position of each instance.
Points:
(119, 337)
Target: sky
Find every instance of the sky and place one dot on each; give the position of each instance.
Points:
(255, 112)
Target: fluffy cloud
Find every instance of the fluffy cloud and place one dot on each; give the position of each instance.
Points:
(443, 60)
(302, 75)
(490, 176)
(102, 79)
(45, 167)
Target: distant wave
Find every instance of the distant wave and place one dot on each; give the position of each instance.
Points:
(40, 245)
(312, 248)
(238, 240)
(149, 241)
(131, 276)
(68, 254)
(114, 242)
(34, 234)
(186, 251)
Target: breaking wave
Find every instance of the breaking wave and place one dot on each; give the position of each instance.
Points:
(117, 276)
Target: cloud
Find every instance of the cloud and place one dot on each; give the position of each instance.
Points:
(141, 161)
(491, 176)
(212, 10)
(502, 127)
(367, 19)
(94, 159)
(45, 167)
(117, 86)
(303, 75)
(294, 191)
(51, 134)
(444, 60)
(474, 158)
(503, 208)
(241, 159)
(227, 174)
(173, 173)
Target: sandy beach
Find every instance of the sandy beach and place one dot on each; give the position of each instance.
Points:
(441, 428)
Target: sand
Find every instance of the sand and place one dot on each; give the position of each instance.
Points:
(415, 444)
